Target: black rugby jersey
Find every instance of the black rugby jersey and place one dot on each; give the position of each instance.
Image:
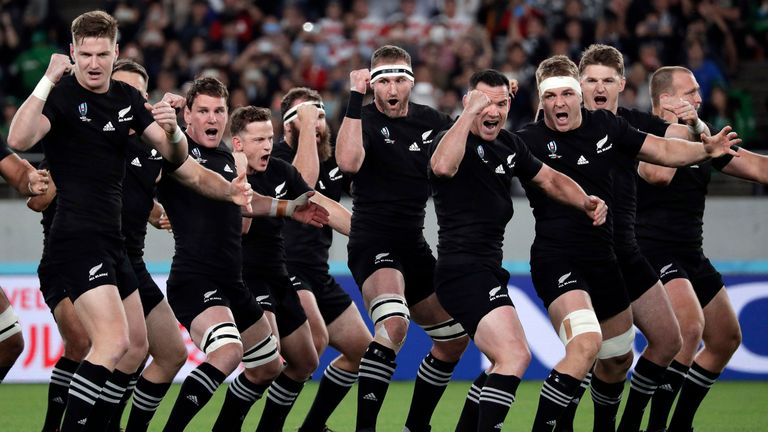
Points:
(86, 151)
(306, 247)
(142, 166)
(588, 155)
(206, 231)
(5, 151)
(391, 189)
(263, 248)
(624, 207)
(474, 206)
(672, 216)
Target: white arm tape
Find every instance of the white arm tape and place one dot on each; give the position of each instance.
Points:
(43, 88)
(219, 335)
(559, 82)
(177, 135)
(445, 331)
(262, 353)
(578, 322)
(9, 324)
(698, 128)
(617, 345)
(387, 306)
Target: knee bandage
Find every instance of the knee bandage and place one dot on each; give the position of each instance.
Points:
(9, 324)
(388, 306)
(262, 353)
(578, 322)
(445, 331)
(617, 345)
(219, 335)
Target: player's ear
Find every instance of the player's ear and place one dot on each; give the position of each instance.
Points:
(622, 84)
(237, 145)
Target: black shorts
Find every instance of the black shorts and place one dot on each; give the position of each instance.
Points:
(52, 287)
(691, 265)
(639, 275)
(468, 292)
(149, 292)
(413, 259)
(84, 262)
(553, 277)
(276, 293)
(331, 298)
(190, 295)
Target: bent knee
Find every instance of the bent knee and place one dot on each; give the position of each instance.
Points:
(584, 346)
(453, 349)
(692, 332)
(13, 347)
(394, 330)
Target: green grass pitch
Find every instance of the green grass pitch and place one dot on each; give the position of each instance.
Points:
(730, 407)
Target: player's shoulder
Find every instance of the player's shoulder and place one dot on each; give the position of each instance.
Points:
(427, 112)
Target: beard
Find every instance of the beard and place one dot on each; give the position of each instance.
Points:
(323, 147)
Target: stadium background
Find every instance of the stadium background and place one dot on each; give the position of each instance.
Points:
(261, 49)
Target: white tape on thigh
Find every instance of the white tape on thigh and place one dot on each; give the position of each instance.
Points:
(219, 335)
(9, 324)
(388, 306)
(578, 322)
(262, 353)
(445, 331)
(617, 345)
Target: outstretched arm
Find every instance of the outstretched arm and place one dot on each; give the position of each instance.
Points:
(562, 188)
(339, 217)
(212, 185)
(673, 152)
(749, 166)
(300, 209)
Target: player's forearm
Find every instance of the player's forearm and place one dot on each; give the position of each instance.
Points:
(203, 181)
(749, 166)
(349, 145)
(260, 205)
(306, 160)
(566, 191)
(671, 152)
(26, 128)
(339, 217)
(449, 152)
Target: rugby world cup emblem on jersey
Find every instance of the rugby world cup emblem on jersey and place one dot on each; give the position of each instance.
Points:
(385, 132)
(552, 147)
(83, 108)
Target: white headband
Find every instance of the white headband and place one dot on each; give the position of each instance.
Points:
(559, 82)
(391, 71)
(292, 113)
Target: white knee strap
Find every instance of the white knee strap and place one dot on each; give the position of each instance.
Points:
(9, 324)
(617, 345)
(388, 306)
(219, 335)
(445, 331)
(262, 353)
(578, 322)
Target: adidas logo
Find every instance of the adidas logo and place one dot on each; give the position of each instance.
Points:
(82, 421)
(551, 422)
(499, 169)
(414, 147)
(582, 160)
(371, 397)
(499, 426)
(108, 127)
(227, 168)
(136, 162)
(666, 387)
(193, 399)
(58, 400)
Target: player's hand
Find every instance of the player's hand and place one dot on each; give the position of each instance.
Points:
(59, 65)
(165, 116)
(307, 114)
(305, 211)
(596, 209)
(38, 181)
(720, 144)
(681, 109)
(476, 102)
(174, 100)
(359, 80)
(240, 192)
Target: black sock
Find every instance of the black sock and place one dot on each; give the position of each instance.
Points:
(282, 394)
(84, 389)
(195, 392)
(146, 398)
(470, 412)
(109, 400)
(565, 422)
(607, 398)
(646, 377)
(662, 400)
(241, 395)
(117, 416)
(497, 396)
(334, 385)
(694, 390)
(556, 392)
(376, 369)
(431, 380)
(61, 375)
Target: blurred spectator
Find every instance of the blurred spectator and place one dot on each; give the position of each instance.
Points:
(706, 71)
(31, 64)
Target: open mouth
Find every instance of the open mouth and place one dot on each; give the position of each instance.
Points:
(561, 116)
(490, 124)
(392, 102)
(211, 132)
(94, 74)
(601, 100)
(265, 158)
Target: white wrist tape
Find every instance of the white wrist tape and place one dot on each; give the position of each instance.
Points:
(559, 82)
(43, 88)
(698, 128)
(177, 135)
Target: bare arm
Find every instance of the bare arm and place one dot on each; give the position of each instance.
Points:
(300, 209)
(563, 189)
(164, 134)
(749, 166)
(675, 152)
(660, 175)
(350, 152)
(212, 185)
(339, 217)
(449, 153)
(41, 202)
(22, 176)
(306, 160)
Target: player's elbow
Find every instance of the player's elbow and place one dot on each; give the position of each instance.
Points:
(442, 168)
(16, 143)
(348, 165)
